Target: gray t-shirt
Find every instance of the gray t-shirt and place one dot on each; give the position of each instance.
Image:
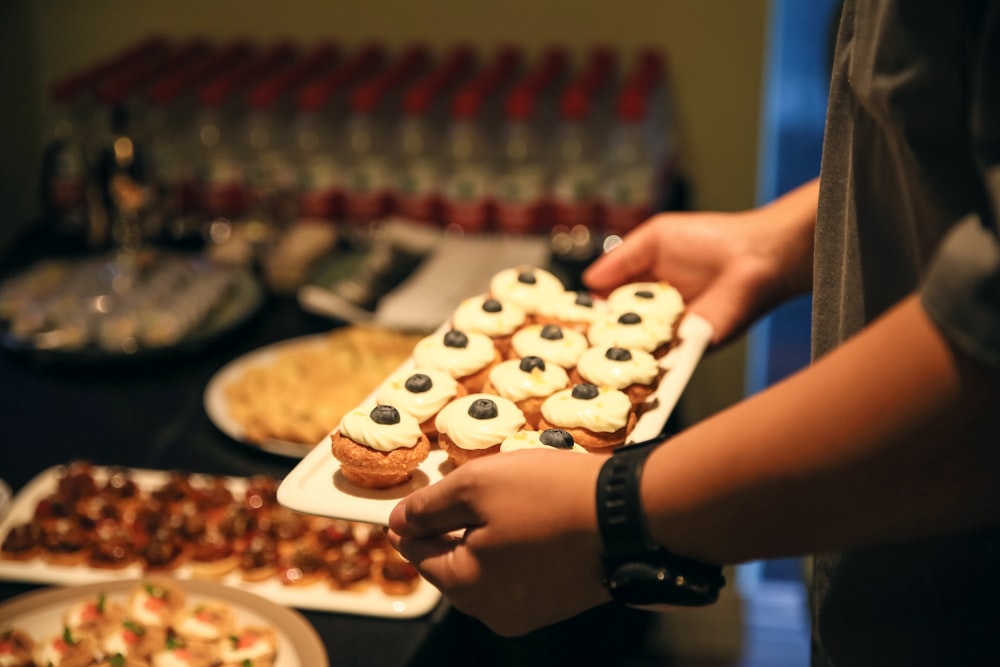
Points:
(909, 201)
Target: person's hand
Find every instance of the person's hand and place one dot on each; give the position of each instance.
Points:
(509, 539)
(731, 268)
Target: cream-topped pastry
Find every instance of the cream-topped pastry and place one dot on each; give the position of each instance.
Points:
(598, 418)
(654, 298)
(572, 309)
(476, 424)
(205, 622)
(634, 331)
(94, 616)
(64, 649)
(529, 377)
(181, 654)
(560, 345)
(494, 316)
(526, 286)
(155, 603)
(256, 645)
(379, 446)
(421, 392)
(527, 381)
(466, 356)
(132, 638)
(552, 438)
(633, 371)
(364, 426)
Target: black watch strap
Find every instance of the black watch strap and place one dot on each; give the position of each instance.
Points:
(637, 570)
(619, 505)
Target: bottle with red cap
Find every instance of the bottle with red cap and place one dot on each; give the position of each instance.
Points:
(417, 165)
(469, 168)
(367, 147)
(173, 149)
(521, 191)
(266, 137)
(222, 179)
(321, 110)
(629, 167)
(575, 163)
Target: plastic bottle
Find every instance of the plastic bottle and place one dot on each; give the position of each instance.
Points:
(367, 147)
(221, 172)
(267, 138)
(575, 163)
(320, 114)
(521, 191)
(469, 169)
(417, 165)
(173, 149)
(629, 166)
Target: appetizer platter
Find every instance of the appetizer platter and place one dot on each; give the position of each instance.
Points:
(98, 310)
(81, 523)
(341, 478)
(283, 398)
(104, 620)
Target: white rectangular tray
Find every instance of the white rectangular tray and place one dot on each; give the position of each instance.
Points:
(321, 597)
(316, 485)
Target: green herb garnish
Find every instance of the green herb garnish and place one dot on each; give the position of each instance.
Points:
(134, 627)
(68, 636)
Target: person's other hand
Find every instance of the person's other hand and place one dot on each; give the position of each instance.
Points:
(509, 539)
(731, 268)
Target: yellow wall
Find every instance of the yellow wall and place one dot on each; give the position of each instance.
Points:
(715, 48)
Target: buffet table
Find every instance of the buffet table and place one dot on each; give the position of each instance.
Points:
(150, 414)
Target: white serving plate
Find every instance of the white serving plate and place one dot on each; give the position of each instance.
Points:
(321, 597)
(217, 405)
(317, 486)
(40, 613)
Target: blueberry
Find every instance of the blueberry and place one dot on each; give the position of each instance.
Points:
(644, 294)
(629, 318)
(483, 408)
(385, 414)
(527, 277)
(418, 383)
(618, 354)
(529, 364)
(556, 437)
(492, 306)
(584, 299)
(585, 391)
(552, 332)
(456, 338)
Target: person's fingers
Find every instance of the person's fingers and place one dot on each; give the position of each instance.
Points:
(634, 257)
(433, 557)
(434, 510)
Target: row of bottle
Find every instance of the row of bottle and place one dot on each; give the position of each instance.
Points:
(238, 131)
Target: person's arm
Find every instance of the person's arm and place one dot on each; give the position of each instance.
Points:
(892, 436)
(730, 268)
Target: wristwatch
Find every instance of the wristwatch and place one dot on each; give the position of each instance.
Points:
(637, 571)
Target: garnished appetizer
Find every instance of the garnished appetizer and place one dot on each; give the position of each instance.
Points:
(16, 647)
(253, 646)
(133, 639)
(205, 622)
(156, 602)
(93, 617)
(65, 650)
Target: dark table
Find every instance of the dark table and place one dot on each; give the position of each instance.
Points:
(150, 414)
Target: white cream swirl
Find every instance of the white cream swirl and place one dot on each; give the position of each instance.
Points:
(507, 284)
(420, 404)
(468, 432)
(654, 298)
(532, 440)
(511, 382)
(529, 342)
(595, 367)
(647, 334)
(361, 428)
(431, 352)
(472, 315)
(605, 413)
(565, 307)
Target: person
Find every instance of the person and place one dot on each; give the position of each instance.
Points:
(882, 458)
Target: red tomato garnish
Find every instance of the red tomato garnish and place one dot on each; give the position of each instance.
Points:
(246, 640)
(130, 637)
(6, 647)
(155, 604)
